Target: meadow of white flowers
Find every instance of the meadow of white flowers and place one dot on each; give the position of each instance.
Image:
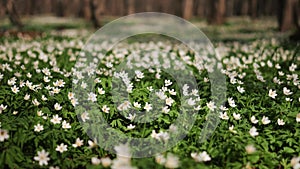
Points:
(39, 128)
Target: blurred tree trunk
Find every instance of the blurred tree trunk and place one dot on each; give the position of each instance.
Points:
(188, 9)
(95, 8)
(116, 7)
(217, 12)
(260, 8)
(41, 7)
(287, 15)
(268, 7)
(131, 8)
(244, 7)
(274, 8)
(2, 8)
(229, 7)
(74, 8)
(296, 13)
(168, 6)
(121, 7)
(30, 6)
(86, 10)
(149, 5)
(59, 8)
(112, 6)
(177, 10)
(155, 6)
(23, 7)
(253, 9)
(140, 6)
(201, 8)
(12, 13)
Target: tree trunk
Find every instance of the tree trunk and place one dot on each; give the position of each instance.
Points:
(201, 8)
(86, 11)
(244, 7)
(260, 8)
(94, 14)
(149, 5)
(2, 9)
(121, 7)
(253, 9)
(140, 6)
(168, 6)
(177, 10)
(74, 9)
(115, 7)
(12, 13)
(296, 36)
(296, 10)
(217, 12)
(286, 15)
(229, 7)
(269, 7)
(187, 9)
(131, 9)
(59, 8)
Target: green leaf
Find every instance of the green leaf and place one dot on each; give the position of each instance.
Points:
(253, 158)
(265, 145)
(288, 150)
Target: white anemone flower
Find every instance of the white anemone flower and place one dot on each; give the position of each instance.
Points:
(3, 135)
(42, 157)
(272, 93)
(253, 132)
(61, 148)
